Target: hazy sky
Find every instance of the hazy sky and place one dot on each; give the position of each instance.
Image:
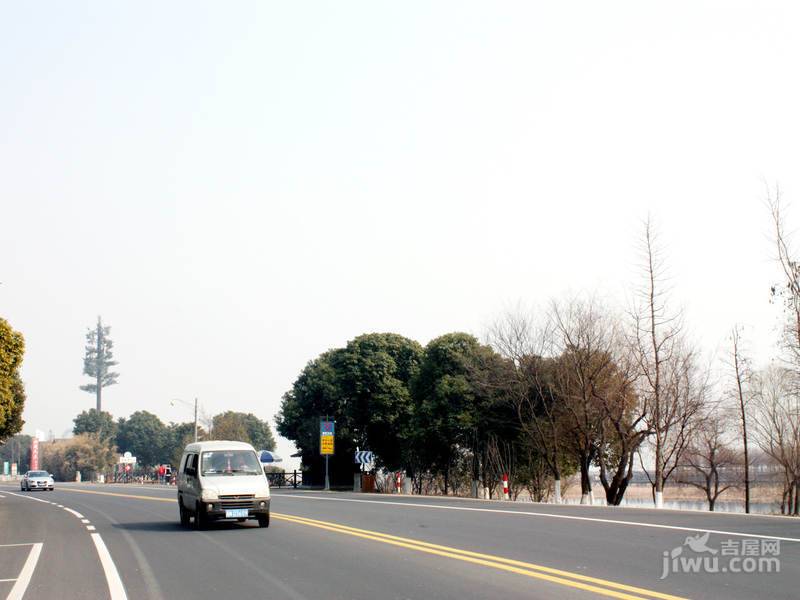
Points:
(237, 187)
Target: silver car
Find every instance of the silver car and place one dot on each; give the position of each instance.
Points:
(36, 480)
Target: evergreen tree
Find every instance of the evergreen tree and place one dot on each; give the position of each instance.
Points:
(98, 360)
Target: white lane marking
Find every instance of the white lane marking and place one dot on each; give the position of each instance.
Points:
(74, 512)
(18, 591)
(90, 527)
(4, 580)
(85, 521)
(551, 515)
(1, 496)
(60, 505)
(115, 587)
(12, 545)
(28, 497)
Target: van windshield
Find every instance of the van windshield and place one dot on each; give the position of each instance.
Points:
(230, 462)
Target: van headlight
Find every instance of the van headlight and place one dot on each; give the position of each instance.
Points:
(210, 495)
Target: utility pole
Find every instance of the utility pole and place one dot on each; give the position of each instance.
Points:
(172, 403)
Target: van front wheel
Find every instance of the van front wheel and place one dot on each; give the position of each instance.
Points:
(199, 518)
(183, 513)
(263, 520)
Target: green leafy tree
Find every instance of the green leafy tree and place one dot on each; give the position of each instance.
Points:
(243, 427)
(458, 404)
(98, 361)
(99, 423)
(373, 376)
(315, 393)
(260, 433)
(364, 387)
(178, 436)
(145, 436)
(12, 391)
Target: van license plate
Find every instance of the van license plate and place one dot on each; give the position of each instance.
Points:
(236, 513)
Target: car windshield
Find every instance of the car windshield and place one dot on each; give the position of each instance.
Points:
(38, 474)
(230, 462)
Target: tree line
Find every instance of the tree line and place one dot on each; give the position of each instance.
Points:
(99, 439)
(577, 387)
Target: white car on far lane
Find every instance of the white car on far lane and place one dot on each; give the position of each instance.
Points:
(36, 480)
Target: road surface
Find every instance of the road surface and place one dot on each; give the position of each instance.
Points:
(114, 541)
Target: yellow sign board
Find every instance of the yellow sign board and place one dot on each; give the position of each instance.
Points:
(326, 444)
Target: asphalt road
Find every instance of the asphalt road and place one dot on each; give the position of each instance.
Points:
(114, 541)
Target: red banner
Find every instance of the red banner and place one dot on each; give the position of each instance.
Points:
(35, 454)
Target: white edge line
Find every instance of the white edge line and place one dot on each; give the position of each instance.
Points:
(74, 512)
(644, 508)
(28, 497)
(115, 587)
(12, 545)
(536, 514)
(5, 580)
(18, 591)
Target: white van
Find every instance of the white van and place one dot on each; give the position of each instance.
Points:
(222, 480)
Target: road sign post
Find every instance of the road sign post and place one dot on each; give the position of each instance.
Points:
(126, 462)
(326, 445)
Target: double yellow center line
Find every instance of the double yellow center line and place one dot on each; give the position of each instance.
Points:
(575, 580)
(566, 578)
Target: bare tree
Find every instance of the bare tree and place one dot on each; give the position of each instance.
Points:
(779, 389)
(776, 421)
(710, 458)
(595, 382)
(500, 460)
(574, 392)
(668, 383)
(581, 359)
(789, 289)
(530, 387)
(742, 378)
(536, 476)
(624, 428)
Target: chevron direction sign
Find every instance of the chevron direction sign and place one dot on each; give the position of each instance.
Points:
(363, 457)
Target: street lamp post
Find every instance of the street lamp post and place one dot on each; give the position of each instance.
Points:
(195, 412)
